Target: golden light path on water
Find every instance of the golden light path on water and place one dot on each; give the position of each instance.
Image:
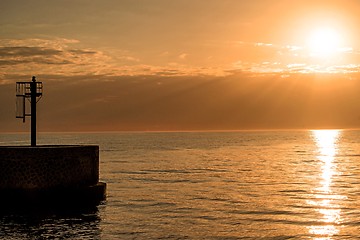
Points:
(325, 198)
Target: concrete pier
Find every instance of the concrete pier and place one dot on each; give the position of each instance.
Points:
(50, 175)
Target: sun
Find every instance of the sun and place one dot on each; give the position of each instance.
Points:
(324, 42)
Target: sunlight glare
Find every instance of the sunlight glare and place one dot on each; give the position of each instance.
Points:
(325, 203)
(324, 42)
(326, 142)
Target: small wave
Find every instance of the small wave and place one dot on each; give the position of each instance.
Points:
(265, 212)
(293, 191)
(348, 155)
(167, 171)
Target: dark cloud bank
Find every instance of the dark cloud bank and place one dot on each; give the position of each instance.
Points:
(155, 103)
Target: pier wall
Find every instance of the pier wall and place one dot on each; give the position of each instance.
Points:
(48, 167)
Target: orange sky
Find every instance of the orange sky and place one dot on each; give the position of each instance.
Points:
(182, 64)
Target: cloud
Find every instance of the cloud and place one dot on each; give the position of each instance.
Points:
(27, 51)
(68, 57)
(31, 55)
(183, 56)
(272, 58)
(81, 51)
(50, 43)
(15, 55)
(50, 56)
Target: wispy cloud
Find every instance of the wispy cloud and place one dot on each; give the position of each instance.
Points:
(183, 56)
(51, 56)
(68, 57)
(27, 51)
(285, 59)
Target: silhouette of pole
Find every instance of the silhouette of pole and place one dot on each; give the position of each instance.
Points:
(33, 90)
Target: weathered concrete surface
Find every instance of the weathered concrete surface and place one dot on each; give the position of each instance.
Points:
(49, 176)
(48, 167)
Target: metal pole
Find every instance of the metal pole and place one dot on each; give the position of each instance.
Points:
(33, 111)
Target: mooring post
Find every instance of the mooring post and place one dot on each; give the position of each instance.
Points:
(33, 90)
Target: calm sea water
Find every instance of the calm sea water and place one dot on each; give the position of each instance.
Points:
(210, 185)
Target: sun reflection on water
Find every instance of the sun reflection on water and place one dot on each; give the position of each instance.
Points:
(324, 198)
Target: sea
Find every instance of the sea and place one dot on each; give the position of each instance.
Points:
(301, 184)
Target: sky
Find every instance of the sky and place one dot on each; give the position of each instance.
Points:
(182, 65)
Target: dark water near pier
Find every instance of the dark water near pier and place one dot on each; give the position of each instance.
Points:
(210, 185)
